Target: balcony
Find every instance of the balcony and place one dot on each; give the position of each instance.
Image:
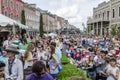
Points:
(91, 20)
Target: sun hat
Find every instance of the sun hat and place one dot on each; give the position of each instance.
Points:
(13, 49)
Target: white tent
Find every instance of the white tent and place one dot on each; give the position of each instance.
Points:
(4, 21)
(52, 35)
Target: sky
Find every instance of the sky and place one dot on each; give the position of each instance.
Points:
(75, 11)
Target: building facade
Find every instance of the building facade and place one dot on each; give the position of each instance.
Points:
(104, 16)
(32, 16)
(63, 23)
(12, 8)
(53, 22)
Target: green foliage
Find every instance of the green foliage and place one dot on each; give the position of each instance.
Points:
(114, 30)
(64, 60)
(88, 29)
(69, 70)
(23, 31)
(118, 32)
(41, 26)
(77, 30)
(23, 21)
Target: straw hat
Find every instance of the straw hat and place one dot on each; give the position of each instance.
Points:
(13, 49)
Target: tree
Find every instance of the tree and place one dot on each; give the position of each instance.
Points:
(119, 32)
(88, 29)
(41, 26)
(23, 21)
(77, 30)
(114, 30)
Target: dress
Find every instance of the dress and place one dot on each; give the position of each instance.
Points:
(28, 63)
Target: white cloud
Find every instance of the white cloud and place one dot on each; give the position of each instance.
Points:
(76, 11)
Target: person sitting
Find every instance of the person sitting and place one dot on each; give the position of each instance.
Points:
(39, 72)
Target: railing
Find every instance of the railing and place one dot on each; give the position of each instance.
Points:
(96, 20)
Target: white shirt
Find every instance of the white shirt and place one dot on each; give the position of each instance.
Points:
(28, 63)
(113, 71)
(96, 58)
(41, 55)
(17, 70)
(6, 43)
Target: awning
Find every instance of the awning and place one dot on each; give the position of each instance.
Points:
(4, 21)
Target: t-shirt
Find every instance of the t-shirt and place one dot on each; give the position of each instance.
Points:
(102, 42)
(46, 76)
(83, 41)
(58, 53)
(23, 47)
(6, 43)
(90, 41)
(42, 56)
(16, 42)
(93, 67)
(113, 71)
(3, 58)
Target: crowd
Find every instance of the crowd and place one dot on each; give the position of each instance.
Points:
(98, 56)
(39, 58)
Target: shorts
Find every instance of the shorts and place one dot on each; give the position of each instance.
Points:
(91, 74)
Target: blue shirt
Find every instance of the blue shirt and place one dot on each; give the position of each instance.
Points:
(52, 63)
(3, 58)
(45, 76)
(102, 42)
(58, 53)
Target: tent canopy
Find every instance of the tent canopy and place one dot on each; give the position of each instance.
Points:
(4, 21)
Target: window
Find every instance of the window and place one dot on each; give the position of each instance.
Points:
(119, 11)
(16, 6)
(11, 5)
(95, 16)
(5, 2)
(5, 13)
(99, 15)
(21, 8)
(16, 17)
(113, 13)
(11, 16)
(103, 15)
(107, 14)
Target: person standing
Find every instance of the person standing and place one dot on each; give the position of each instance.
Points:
(53, 62)
(29, 59)
(91, 69)
(113, 71)
(14, 67)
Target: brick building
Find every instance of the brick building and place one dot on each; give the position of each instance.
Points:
(12, 8)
